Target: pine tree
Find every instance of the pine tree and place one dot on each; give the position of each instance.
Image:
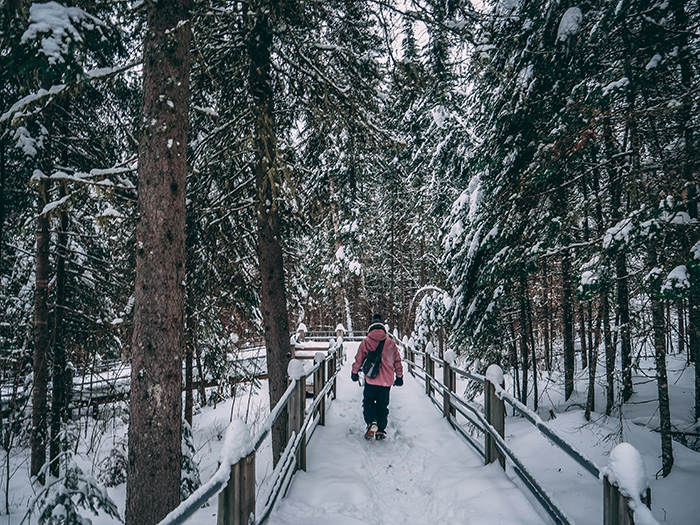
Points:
(153, 479)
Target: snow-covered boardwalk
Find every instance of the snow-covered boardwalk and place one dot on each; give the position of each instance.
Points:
(424, 473)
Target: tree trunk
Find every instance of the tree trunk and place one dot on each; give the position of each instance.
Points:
(582, 328)
(531, 332)
(514, 361)
(694, 338)
(59, 402)
(592, 365)
(568, 326)
(273, 302)
(344, 304)
(657, 312)
(153, 472)
(2, 195)
(609, 356)
(688, 124)
(523, 339)
(189, 396)
(546, 319)
(201, 387)
(681, 327)
(590, 329)
(41, 337)
(622, 288)
(623, 312)
(189, 357)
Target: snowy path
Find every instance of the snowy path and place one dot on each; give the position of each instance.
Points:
(424, 473)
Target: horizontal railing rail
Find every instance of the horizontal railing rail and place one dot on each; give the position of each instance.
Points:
(110, 380)
(491, 423)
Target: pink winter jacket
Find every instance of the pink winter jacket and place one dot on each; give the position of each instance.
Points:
(391, 360)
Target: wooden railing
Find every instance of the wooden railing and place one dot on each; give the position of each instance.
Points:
(110, 381)
(235, 479)
(619, 506)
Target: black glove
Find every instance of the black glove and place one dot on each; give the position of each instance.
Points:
(398, 381)
(355, 377)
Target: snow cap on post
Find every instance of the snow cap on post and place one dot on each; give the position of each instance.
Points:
(295, 369)
(301, 332)
(450, 357)
(626, 470)
(237, 443)
(319, 357)
(430, 348)
(340, 328)
(494, 375)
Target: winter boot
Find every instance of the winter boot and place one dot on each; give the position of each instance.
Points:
(380, 435)
(371, 429)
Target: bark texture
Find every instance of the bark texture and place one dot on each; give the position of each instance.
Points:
(273, 301)
(153, 475)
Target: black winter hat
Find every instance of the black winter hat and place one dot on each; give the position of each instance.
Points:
(376, 322)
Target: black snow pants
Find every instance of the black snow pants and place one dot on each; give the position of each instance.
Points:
(375, 405)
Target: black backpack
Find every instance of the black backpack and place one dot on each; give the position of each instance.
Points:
(373, 361)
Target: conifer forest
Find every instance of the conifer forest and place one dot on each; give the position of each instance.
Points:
(515, 180)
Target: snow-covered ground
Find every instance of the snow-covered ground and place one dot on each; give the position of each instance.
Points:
(424, 472)
(674, 499)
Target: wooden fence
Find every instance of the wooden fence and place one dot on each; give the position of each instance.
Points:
(618, 508)
(235, 481)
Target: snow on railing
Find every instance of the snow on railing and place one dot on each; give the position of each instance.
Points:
(621, 496)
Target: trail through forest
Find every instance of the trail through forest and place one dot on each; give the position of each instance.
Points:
(422, 473)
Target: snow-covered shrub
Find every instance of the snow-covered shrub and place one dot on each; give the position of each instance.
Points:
(60, 500)
(189, 471)
(112, 469)
(430, 318)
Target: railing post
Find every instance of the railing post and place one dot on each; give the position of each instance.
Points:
(620, 504)
(410, 356)
(297, 409)
(495, 413)
(332, 367)
(429, 367)
(237, 500)
(449, 379)
(319, 382)
(301, 332)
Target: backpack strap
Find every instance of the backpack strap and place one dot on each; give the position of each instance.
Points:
(380, 347)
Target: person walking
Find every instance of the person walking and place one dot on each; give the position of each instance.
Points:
(378, 382)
